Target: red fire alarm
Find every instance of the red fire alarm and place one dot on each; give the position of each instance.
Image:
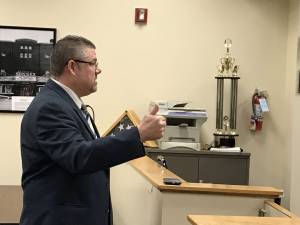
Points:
(141, 15)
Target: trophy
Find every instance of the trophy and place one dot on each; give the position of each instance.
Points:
(226, 126)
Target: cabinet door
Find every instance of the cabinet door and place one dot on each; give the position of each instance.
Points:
(224, 170)
(183, 166)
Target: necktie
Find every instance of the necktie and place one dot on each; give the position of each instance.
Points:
(88, 118)
(85, 112)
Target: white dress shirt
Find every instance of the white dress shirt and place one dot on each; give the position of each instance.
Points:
(76, 100)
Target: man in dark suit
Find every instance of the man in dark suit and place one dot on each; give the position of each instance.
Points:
(65, 163)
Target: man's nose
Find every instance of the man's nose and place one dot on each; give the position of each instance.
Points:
(98, 71)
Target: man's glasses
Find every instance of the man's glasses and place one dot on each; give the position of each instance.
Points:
(92, 63)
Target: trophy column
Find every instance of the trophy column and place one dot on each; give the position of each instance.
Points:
(233, 102)
(220, 99)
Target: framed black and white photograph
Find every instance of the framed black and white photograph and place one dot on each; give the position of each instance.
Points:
(24, 64)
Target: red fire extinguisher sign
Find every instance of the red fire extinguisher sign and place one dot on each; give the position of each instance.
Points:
(259, 105)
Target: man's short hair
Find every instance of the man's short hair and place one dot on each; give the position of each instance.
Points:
(69, 47)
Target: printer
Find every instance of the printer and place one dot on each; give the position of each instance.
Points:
(183, 124)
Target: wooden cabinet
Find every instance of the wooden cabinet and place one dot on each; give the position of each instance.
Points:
(206, 166)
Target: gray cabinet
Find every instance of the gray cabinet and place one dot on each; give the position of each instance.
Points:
(184, 166)
(206, 166)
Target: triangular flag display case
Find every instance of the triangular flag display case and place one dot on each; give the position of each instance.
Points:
(127, 120)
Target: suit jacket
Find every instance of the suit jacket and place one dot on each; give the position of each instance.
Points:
(65, 176)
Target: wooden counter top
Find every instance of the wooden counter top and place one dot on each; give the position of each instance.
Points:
(241, 220)
(155, 174)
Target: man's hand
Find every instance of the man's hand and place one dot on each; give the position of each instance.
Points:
(152, 127)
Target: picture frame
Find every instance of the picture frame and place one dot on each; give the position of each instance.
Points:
(24, 64)
(127, 120)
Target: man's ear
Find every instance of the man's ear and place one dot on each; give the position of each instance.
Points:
(71, 67)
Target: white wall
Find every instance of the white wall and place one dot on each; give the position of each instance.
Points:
(173, 57)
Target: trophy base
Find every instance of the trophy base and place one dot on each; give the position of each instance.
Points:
(224, 141)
